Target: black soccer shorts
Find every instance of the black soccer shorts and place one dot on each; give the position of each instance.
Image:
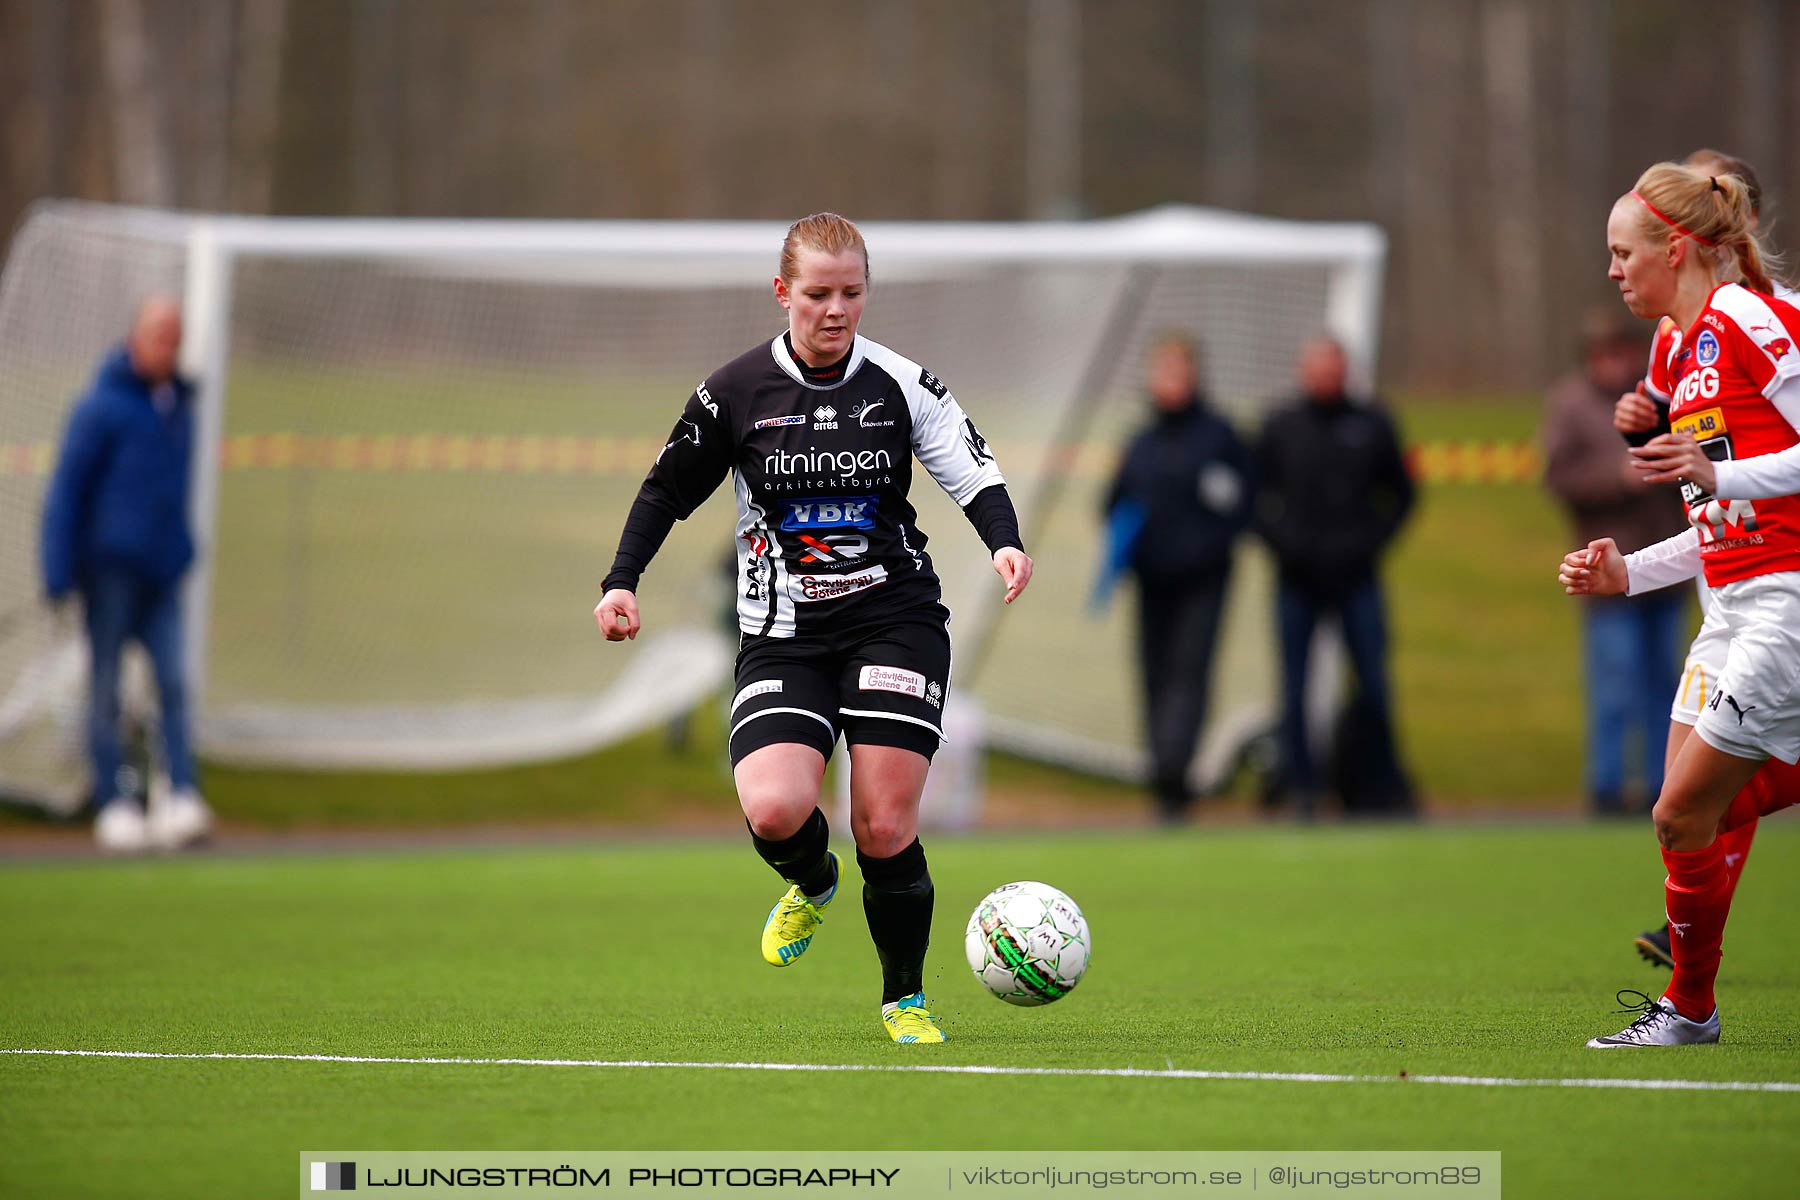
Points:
(879, 684)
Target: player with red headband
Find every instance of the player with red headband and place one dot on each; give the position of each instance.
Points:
(1640, 416)
(1680, 241)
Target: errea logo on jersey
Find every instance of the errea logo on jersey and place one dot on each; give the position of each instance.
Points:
(825, 417)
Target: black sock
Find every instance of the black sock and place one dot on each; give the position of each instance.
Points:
(802, 859)
(897, 896)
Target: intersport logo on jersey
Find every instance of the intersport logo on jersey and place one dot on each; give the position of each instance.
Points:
(813, 461)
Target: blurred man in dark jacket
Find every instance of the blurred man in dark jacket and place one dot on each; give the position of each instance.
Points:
(116, 532)
(1332, 491)
(1632, 645)
(1179, 501)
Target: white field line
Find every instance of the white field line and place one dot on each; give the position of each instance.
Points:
(1648, 1085)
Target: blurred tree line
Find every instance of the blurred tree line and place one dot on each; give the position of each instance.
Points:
(1487, 136)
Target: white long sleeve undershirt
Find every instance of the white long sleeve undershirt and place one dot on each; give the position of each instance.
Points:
(1669, 561)
(1766, 475)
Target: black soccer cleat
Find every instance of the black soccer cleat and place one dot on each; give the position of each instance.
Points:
(1653, 945)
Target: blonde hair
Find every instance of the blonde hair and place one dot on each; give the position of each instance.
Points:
(1713, 210)
(1717, 162)
(824, 232)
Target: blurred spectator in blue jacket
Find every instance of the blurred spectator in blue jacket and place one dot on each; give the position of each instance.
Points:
(116, 534)
(1178, 503)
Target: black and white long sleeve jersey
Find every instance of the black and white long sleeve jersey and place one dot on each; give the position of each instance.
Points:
(823, 465)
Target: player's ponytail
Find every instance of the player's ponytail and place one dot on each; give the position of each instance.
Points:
(825, 232)
(1716, 211)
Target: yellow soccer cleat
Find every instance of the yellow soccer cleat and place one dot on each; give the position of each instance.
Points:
(908, 1020)
(791, 924)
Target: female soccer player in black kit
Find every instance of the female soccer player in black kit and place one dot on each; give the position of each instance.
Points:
(843, 629)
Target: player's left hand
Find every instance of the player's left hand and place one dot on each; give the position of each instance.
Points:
(1671, 456)
(1014, 568)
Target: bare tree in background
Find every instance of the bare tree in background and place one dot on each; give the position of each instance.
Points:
(1518, 241)
(1230, 47)
(1579, 199)
(1759, 125)
(1437, 267)
(256, 101)
(377, 106)
(1053, 108)
(141, 143)
(705, 33)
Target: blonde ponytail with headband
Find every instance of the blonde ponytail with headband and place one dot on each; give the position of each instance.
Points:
(1713, 211)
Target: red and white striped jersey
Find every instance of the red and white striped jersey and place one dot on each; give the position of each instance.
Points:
(1722, 371)
(1657, 381)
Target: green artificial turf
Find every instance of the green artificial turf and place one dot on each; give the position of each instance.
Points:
(1478, 951)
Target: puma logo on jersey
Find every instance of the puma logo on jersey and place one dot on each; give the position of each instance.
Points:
(1731, 700)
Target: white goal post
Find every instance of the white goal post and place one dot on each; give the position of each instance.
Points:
(420, 438)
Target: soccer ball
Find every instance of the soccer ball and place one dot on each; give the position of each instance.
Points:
(1027, 943)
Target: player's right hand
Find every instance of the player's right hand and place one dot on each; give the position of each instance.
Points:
(617, 614)
(1596, 570)
(1635, 412)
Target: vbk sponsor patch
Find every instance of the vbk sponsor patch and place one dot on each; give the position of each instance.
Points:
(932, 383)
(809, 589)
(829, 512)
(764, 688)
(771, 422)
(891, 679)
(1706, 348)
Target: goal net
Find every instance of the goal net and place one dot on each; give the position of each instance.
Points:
(421, 438)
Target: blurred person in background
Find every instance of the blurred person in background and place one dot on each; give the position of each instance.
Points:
(1631, 644)
(1332, 491)
(116, 534)
(1640, 415)
(843, 627)
(1176, 506)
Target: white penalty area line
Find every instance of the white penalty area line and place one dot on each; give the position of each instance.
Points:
(1491, 1081)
